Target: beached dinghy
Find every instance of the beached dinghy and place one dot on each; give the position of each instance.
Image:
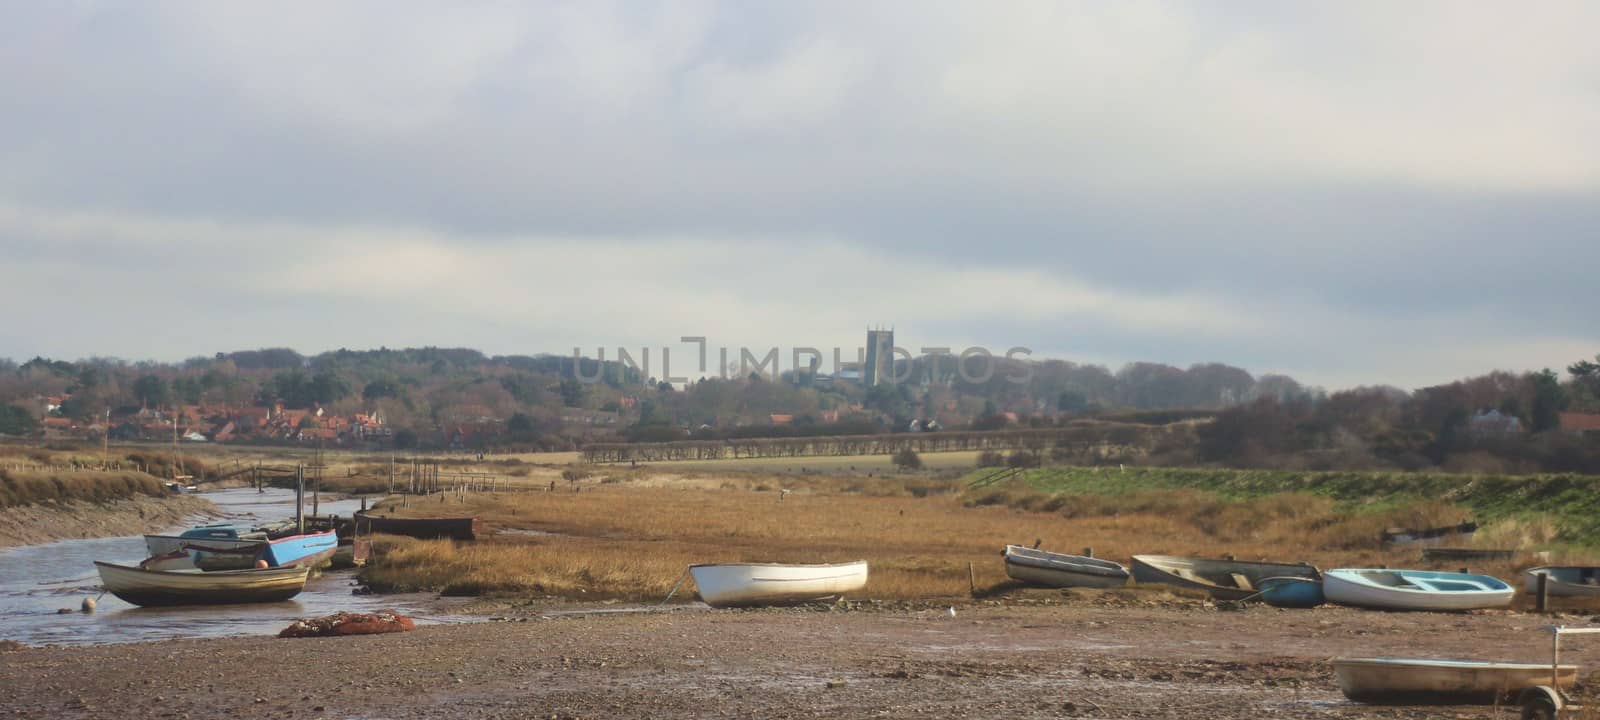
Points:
(1224, 579)
(1291, 592)
(1395, 681)
(1564, 580)
(1415, 589)
(746, 584)
(193, 587)
(1050, 569)
(308, 550)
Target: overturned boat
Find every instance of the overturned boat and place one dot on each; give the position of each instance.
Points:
(1051, 569)
(748, 584)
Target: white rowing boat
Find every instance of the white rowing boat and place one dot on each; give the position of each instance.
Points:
(1564, 580)
(1414, 589)
(746, 584)
(1051, 569)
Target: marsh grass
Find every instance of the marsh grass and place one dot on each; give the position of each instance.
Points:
(33, 487)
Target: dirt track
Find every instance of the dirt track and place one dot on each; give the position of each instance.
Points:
(1100, 656)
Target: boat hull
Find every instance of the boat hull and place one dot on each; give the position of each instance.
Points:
(1399, 681)
(213, 554)
(155, 588)
(752, 584)
(301, 550)
(1292, 592)
(1564, 580)
(455, 528)
(1382, 589)
(1223, 579)
(1039, 567)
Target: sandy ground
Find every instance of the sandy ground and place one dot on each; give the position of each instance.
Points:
(33, 524)
(1101, 656)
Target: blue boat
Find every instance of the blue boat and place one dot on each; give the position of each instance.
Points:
(1291, 592)
(300, 550)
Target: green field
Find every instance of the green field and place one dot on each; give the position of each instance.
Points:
(1572, 502)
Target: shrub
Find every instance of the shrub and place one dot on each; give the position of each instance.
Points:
(907, 459)
(991, 458)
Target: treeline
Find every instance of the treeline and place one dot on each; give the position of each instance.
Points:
(1080, 437)
(1497, 423)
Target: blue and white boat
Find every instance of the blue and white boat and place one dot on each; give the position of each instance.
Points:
(216, 547)
(300, 550)
(1291, 592)
(1385, 589)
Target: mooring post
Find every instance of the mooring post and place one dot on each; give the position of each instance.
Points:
(972, 581)
(1088, 552)
(1542, 597)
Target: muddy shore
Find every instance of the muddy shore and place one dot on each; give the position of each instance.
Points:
(1098, 656)
(34, 524)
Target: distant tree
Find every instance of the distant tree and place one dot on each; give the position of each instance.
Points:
(307, 422)
(380, 388)
(327, 388)
(520, 427)
(1072, 401)
(1549, 399)
(150, 391)
(907, 459)
(405, 438)
(187, 389)
(571, 393)
(16, 421)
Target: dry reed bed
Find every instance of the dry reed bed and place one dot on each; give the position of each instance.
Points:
(633, 542)
(27, 487)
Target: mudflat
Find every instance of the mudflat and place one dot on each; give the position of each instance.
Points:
(1095, 655)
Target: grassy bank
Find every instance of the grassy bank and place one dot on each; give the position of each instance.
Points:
(1519, 509)
(33, 487)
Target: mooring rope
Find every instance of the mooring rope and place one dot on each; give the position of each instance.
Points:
(681, 578)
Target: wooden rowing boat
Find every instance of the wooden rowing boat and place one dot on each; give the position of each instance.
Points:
(456, 528)
(747, 584)
(1223, 579)
(1050, 569)
(193, 587)
(1564, 580)
(1385, 589)
(309, 550)
(1398, 681)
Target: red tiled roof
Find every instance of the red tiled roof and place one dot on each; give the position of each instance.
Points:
(1580, 421)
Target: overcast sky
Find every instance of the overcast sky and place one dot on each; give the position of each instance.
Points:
(1347, 192)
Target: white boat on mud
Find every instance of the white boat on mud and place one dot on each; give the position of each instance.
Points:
(1564, 580)
(749, 584)
(1050, 569)
(1384, 589)
(1398, 681)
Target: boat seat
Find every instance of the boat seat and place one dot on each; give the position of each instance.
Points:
(1241, 581)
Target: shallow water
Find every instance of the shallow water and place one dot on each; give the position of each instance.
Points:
(39, 580)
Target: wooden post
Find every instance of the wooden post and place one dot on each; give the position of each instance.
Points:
(391, 474)
(1088, 552)
(1542, 597)
(972, 581)
(300, 497)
